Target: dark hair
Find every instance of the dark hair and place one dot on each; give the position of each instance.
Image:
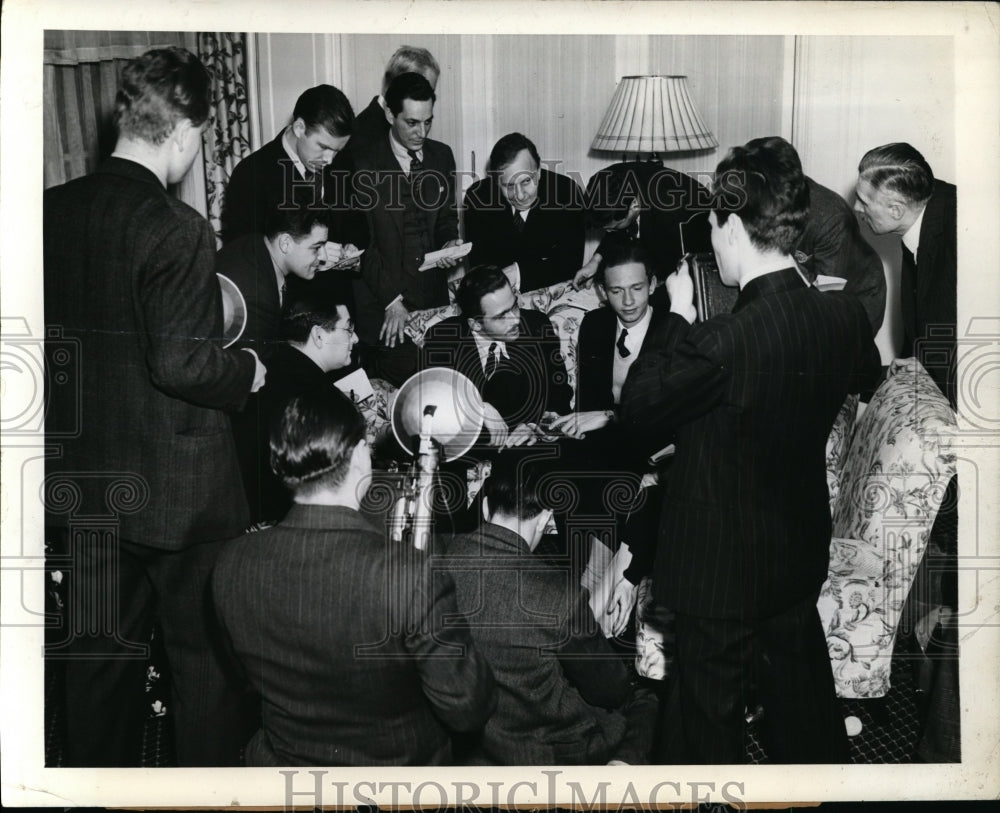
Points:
(513, 487)
(760, 184)
(611, 191)
(477, 283)
(408, 86)
(622, 253)
(898, 168)
(300, 316)
(157, 90)
(507, 148)
(298, 221)
(327, 107)
(312, 440)
(409, 59)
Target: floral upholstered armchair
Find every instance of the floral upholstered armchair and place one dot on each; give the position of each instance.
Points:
(893, 479)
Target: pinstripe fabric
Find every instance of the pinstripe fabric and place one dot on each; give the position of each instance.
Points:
(336, 631)
(745, 528)
(752, 395)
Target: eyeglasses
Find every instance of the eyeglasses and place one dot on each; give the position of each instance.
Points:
(349, 330)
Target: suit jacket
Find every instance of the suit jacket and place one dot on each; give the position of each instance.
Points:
(563, 697)
(929, 291)
(831, 244)
(290, 373)
(267, 179)
(752, 395)
(247, 262)
(337, 630)
(130, 282)
(385, 273)
(532, 382)
(548, 250)
(675, 202)
(595, 356)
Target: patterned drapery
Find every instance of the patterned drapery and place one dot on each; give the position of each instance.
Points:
(227, 139)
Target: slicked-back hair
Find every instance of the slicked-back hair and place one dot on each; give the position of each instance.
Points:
(507, 148)
(300, 316)
(477, 283)
(408, 86)
(409, 59)
(898, 168)
(157, 90)
(760, 184)
(622, 253)
(312, 439)
(327, 107)
(514, 487)
(298, 221)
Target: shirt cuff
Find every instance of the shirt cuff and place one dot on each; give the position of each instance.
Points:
(399, 298)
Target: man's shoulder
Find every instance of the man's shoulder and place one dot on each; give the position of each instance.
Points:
(437, 151)
(240, 255)
(536, 320)
(268, 154)
(485, 194)
(600, 318)
(559, 191)
(451, 327)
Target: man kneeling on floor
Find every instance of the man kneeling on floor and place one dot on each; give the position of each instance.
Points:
(565, 698)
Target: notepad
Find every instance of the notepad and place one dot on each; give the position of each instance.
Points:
(452, 252)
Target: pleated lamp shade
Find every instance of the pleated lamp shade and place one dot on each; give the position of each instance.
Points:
(653, 114)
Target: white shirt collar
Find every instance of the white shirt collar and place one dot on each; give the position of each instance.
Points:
(911, 239)
(290, 151)
(138, 161)
(637, 332)
(402, 156)
(483, 346)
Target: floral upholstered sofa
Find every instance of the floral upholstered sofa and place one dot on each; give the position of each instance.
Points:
(894, 464)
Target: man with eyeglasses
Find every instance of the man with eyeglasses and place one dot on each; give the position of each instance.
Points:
(525, 219)
(512, 356)
(316, 338)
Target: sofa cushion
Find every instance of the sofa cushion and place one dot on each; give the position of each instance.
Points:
(898, 465)
(837, 445)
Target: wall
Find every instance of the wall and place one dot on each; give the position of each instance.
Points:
(855, 93)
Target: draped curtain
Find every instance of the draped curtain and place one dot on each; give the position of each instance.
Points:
(81, 72)
(227, 139)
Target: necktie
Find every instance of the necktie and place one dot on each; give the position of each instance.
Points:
(415, 163)
(491, 361)
(623, 351)
(518, 222)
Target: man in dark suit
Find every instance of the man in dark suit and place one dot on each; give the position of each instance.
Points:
(512, 356)
(745, 531)
(525, 219)
(831, 243)
(898, 194)
(564, 697)
(314, 339)
(405, 184)
(646, 202)
(130, 278)
(339, 629)
(265, 266)
(611, 338)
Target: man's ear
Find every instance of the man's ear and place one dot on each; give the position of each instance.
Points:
(652, 284)
(299, 127)
(732, 228)
(486, 508)
(388, 115)
(475, 326)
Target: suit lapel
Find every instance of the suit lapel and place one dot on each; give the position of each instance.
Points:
(389, 172)
(928, 247)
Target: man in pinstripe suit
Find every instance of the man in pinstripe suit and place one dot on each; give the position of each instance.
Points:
(745, 529)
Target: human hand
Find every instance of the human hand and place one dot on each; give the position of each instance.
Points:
(524, 434)
(259, 371)
(513, 274)
(620, 605)
(495, 425)
(450, 262)
(394, 324)
(680, 289)
(577, 424)
(583, 278)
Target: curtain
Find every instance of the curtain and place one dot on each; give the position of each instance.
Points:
(227, 139)
(81, 72)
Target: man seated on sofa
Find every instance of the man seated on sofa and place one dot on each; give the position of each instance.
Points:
(337, 628)
(512, 356)
(525, 219)
(564, 697)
